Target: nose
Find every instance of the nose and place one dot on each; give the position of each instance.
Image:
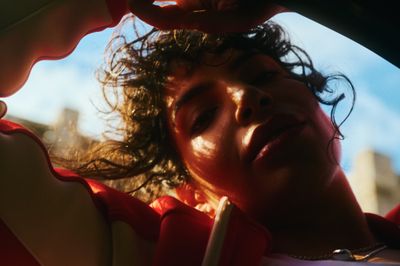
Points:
(251, 104)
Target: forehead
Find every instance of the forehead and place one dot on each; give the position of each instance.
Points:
(184, 75)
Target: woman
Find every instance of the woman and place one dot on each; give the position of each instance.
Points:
(243, 123)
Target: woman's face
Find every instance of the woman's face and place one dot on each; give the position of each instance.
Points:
(246, 129)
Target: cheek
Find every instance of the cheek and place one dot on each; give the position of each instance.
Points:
(200, 155)
(328, 134)
(213, 160)
(320, 121)
(209, 156)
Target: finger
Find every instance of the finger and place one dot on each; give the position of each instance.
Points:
(3, 109)
(164, 18)
(236, 20)
(211, 21)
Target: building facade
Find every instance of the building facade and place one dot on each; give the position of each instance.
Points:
(60, 137)
(374, 182)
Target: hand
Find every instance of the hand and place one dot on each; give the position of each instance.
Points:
(210, 16)
(220, 5)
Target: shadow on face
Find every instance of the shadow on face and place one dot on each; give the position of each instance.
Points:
(246, 129)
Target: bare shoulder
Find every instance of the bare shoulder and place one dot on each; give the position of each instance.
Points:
(35, 205)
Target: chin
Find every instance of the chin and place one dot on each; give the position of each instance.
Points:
(294, 185)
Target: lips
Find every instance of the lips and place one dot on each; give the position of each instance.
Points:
(274, 128)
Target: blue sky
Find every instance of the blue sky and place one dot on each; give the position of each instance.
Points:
(374, 123)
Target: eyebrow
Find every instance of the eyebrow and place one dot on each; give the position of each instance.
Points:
(202, 87)
(192, 93)
(242, 59)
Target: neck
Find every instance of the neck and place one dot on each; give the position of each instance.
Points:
(334, 220)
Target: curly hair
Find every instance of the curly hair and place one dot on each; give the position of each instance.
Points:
(140, 150)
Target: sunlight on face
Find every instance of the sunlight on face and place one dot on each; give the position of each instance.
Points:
(237, 95)
(202, 146)
(254, 162)
(248, 135)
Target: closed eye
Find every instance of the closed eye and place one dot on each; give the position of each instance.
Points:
(262, 78)
(203, 121)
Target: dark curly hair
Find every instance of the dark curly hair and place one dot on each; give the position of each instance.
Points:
(139, 150)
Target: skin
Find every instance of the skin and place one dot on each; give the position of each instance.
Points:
(213, 146)
(205, 15)
(303, 195)
(297, 189)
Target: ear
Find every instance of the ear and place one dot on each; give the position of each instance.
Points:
(194, 197)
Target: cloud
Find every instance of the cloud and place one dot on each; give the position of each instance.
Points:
(372, 125)
(69, 82)
(90, 50)
(50, 88)
(328, 48)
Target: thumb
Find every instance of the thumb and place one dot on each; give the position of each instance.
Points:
(3, 109)
(231, 20)
(162, 17)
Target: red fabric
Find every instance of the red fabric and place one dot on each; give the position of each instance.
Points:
(246, 242)
(386, 230)
(120, 206)
(116, 205)
(117, 9)
(12, 252)
(394, 215)
(8, 126)
(184, 233)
